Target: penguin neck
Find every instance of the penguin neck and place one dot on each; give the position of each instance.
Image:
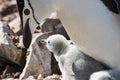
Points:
(57, 54)
(61, 50)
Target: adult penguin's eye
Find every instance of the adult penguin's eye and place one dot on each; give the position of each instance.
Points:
(26, 11)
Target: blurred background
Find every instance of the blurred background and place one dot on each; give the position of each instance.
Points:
(9, 23)
(9, 15)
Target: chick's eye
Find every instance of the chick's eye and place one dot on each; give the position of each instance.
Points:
(48, 42)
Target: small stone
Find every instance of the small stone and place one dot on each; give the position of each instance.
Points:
(30, 78)
(53, 77)
(17, 74)
(40, 77)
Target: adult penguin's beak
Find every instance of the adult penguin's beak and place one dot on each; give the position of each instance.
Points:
(27, 35)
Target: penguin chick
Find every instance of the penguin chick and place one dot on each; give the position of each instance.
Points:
(73, 64)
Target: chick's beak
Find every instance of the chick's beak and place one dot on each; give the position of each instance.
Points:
(43, 41)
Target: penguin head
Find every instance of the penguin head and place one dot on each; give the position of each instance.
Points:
(56, 43)
(34, 12)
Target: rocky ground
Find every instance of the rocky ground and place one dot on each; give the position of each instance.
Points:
(15, 61)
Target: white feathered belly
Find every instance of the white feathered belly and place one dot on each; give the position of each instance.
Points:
(97, 33)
